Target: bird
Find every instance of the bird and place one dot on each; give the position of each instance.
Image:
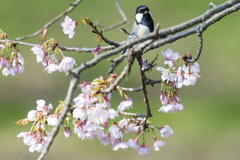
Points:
(142, 26)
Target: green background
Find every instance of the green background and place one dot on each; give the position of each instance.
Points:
(208, 128)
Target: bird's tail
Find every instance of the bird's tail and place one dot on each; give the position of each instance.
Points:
(114, 66)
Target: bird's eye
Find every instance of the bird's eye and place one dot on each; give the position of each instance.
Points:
(141, 11)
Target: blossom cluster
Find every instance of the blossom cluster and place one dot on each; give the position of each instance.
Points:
(49, 60)
(174, 78)
(37, 137)
(14, 64)
(92, 111)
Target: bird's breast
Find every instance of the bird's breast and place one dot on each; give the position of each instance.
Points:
(143, 31)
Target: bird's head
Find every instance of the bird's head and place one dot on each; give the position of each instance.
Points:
(142, 13)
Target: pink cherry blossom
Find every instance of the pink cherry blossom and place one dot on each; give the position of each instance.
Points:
(8, 63)
(143, 150)
(39, 53)
(80, 101)
(112, 114)
(52, 120)
(80, 113)
(2, 46)
(3, 61)
(158, 144)
(167, 75)
(6, 72)
(172, 107)
(123, 145)
(97, 51)
(166, 131)
(124, 122)
(116, 132)
(31, 115)
(66, 64)
(27, 138)
(52, 67)
(169, 55)
(125, 105)
(68, 26)
(133, 143)
(41, 106)
(37, 147)
(67, 132)
(105, 139)
(100, 112)
(163, 98)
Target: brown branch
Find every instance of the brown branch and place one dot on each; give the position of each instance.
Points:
(125, 20)
(200, 39)
(85, 49)
(72, 6)
(142, 78)
(123, 74)
(132, 114)
(95, 30)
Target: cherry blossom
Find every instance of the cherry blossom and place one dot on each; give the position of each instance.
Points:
(39, 53)
(67, 132)
(69, 26)
(158, 144)
(166, 131)
(116, 132)
(80, 113)
(66, 64)
(105, 139)
(169, 55)
(31, 115)
(52, 67)
(133, 143)
(52, 120)
(112, 114)
(125, 105)
(167, 75)
(123, 145)
(143, 150)
(7, 71)
(172, 107)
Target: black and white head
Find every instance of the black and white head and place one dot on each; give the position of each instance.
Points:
(143, 14)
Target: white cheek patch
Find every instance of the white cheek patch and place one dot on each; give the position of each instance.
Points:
(139, 17)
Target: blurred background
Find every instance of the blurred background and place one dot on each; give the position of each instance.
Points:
(208, 128)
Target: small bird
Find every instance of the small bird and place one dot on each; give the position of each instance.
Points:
(142, 26)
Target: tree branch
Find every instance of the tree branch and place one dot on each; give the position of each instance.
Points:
(123, 74)
(72, 6)
(142, 78)
(200, 39)
(73, 83)
(125, 20)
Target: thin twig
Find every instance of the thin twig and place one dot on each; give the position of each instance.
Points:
(200, 39)
(212, 5)
(125, 20)
(130, 89)
(132, 114)
(85, 49)
(72, 6)
(95, 30)
(122, 75)
(142, 78)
